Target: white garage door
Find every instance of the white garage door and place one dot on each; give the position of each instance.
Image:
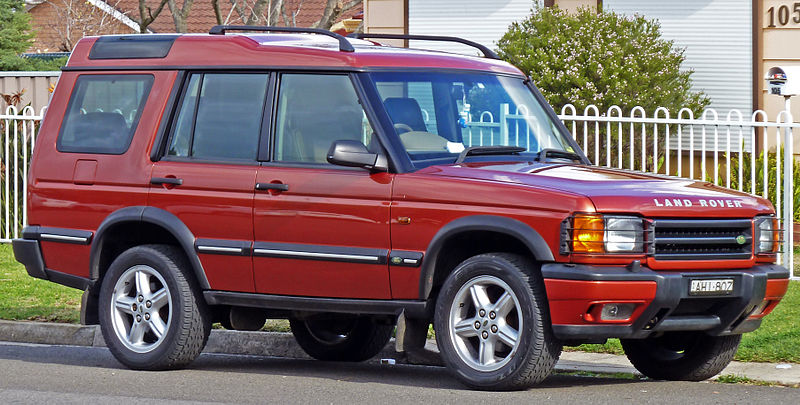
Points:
(477, 20)
(717, 35)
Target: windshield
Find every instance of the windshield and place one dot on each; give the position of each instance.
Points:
(438, 115)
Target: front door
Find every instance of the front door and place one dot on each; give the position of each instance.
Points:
(320, 230)
(207, 176)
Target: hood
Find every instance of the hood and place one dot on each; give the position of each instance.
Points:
(619, 191)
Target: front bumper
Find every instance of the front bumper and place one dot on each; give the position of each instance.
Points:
(662, 300)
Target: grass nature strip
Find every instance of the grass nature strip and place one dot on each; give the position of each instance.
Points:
(26, 298)
(23, 297)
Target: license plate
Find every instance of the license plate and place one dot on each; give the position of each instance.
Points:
(711, 287)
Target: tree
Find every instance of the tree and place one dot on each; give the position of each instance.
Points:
(274, 12)
(179, 15)
(15, 32)
(333, 10)
(147, 15)
(600, 58)
(75, 19)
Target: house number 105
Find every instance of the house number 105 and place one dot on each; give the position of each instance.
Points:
(783, 13)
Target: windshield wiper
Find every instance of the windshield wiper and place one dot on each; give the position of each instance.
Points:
(489, 150)
(558, 154)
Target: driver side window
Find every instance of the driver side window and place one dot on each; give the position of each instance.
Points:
(314, 110)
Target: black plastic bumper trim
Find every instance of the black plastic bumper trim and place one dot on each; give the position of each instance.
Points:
(672, 288)
(28, 252)
(69, 280)
(340, 305)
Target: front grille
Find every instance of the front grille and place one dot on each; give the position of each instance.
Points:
(703, 239)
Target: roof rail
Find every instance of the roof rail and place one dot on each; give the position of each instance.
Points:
(344, 44)
(486, 51)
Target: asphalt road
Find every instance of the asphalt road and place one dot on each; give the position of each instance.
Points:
(66, 374)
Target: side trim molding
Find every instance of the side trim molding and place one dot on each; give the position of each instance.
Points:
(223, 247)
(340, 305)
(59, 235)
(320, 252)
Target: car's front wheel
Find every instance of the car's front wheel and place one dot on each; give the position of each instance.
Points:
(681, 356)
(152, 315)
(492, 324)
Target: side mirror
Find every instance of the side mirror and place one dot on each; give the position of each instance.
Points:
(352, 153)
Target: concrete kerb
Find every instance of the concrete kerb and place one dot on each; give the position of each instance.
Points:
(283, 345)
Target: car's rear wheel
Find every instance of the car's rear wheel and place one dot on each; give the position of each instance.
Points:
(681, 356)
(492, 324)
(340, 337)
(152, 315)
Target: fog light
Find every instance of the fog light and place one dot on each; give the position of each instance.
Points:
(616, 312)
(758, 311)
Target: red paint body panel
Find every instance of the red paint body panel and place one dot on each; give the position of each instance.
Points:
(776, 289)
(118, 181)
(323, 206)
(215, 201)
(66, 258)
(570, 299)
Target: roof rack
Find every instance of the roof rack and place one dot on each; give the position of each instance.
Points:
(344, 44)
(486, 51)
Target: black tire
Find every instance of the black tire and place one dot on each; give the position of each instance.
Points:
(535, 350)
(341, 338)
(184, 317)
(681, 356)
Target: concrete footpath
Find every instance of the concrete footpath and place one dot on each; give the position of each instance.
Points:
(283, 345)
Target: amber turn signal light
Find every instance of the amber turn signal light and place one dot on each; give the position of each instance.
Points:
(587, 233)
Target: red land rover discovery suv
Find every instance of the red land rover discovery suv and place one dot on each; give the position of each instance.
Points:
(349, 187)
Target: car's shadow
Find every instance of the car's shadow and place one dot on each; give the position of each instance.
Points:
(367, 372)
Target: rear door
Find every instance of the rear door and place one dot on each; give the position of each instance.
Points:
(207, 174)
(320, 230)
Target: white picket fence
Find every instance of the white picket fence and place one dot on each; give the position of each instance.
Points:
(722, 151)
(18, 132)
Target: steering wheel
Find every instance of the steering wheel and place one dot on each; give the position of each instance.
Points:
(403, 127)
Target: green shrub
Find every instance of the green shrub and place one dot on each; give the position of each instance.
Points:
(600, 58)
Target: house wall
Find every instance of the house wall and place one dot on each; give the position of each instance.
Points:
(573, 5)
(386, 17)
(50, 21)
(778, 47)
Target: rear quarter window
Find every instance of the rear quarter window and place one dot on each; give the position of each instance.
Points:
(103, 113)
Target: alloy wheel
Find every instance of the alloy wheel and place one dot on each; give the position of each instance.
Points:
(141, 308)
(485, 323)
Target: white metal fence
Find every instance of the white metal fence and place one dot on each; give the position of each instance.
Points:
(18, 130)
(748, 153)
(742, 152)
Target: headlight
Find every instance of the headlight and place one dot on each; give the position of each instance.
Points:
(767, 235)
(596, 233)
(623, 234)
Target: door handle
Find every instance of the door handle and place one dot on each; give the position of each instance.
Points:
(166, 180)
(272, 186)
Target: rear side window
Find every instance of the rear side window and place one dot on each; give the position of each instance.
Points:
(220, 117)
(103, 113)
